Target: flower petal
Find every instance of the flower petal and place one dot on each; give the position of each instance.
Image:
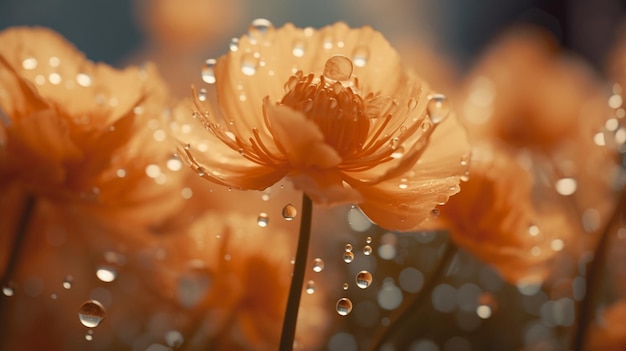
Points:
(305, 149)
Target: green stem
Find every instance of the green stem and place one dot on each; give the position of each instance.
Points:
(297, 280)
(400, 316)
(594, 274)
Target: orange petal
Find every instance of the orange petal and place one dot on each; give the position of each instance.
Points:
(305, 149)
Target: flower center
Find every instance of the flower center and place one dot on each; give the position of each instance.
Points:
(333, 103)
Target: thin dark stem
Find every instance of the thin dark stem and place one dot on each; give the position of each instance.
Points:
(14, 257)
(18, 240)
(593, 277)
(297, 280)
(401, 315)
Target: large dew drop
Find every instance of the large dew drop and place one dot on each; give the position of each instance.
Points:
(208, 75)
(91, 313)
(438, 108)
(338, 67)
(289, 212)
(344, 306)
(367, 250)
(259, 27)
(363, 279)
(318, 265)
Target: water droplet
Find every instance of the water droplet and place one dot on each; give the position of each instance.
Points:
(318, 265)
(310, 287)
(89, 335)
(434, 213)
(348, 256)
(84, 80)
(29, 63)
(234, 44)
(200, 171)
(91, 313)
(438, 108)
(202, 95)
(289, 212)
(360, 56)
(262, 220)
(348, 247)
(412, 104)
(566, 186)
(298, 48)
(106, 274)
(208, 75)
(344, 306)
(67, 282)
(174, 339)
(258, 28)
(368, 240)
(367, 250)
(363, 279)
(249, 64)
(345, 286)
(8, 291)
(338, 67)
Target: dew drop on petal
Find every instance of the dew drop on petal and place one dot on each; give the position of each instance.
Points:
(259, 27)
(249, 64)
(208, 75)
(202, 95)
(289, 212)
(91, 313)
(200, 171)
(338, 67)
(363, 279)
(234, 44)
(368, 240)
(67, 282)
(310, 287)
(344, 306)
(434, 213)
(89, 335)
(84, 80)
(438, 108)
(318, 265)
(346, 286)
(298, 48)
(348, 256)
(29, 63)
(360, 56)
(367, 250)
(262, 220)
(348, 247)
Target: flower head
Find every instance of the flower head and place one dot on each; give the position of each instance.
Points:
(73, 131)
(334, 111)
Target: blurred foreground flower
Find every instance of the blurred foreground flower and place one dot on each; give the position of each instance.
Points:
(74, 132)
(334, 111)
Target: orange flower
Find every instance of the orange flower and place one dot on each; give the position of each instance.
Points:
(334, 111)
(234, 275)
(494, 218)
(74, 132)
